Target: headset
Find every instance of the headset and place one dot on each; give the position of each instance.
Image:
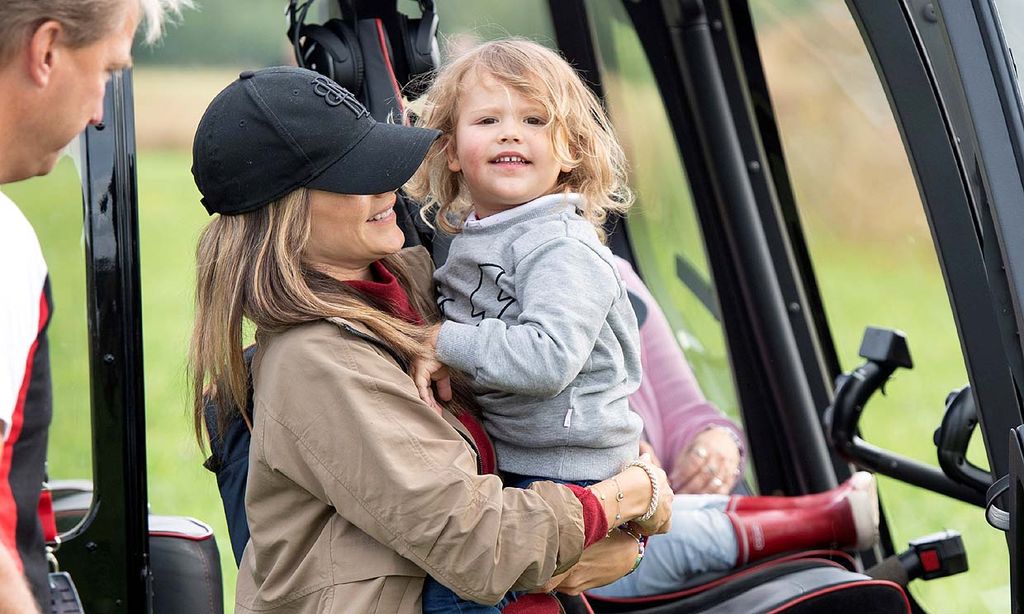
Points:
(419, 40)
(358, 50)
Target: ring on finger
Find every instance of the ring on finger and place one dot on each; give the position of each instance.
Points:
(701, 452)
(717, 482)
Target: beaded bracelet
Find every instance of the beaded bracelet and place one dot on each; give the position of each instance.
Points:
(655, 489)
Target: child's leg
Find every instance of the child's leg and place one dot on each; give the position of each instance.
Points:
(844, 517)
(686, 502)
(701, 539)
(439, 599)
(706, 538)
(860, 481)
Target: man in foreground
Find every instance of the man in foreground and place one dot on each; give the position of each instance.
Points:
(56, 57)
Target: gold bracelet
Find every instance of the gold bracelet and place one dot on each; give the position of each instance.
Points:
(618, 502)
(600, 495)
(619, 496)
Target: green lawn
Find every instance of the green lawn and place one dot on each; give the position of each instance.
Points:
(171, 219)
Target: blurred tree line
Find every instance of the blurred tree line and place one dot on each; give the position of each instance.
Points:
(224, 33)
(252, 32)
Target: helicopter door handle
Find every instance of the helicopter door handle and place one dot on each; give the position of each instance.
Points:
(952, 438)
(885, 351)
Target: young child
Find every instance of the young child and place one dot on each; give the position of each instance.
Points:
(525, 172)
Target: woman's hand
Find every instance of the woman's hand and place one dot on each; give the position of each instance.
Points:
(627, 496)
(602, 563)
(710, 465)
(661, 521)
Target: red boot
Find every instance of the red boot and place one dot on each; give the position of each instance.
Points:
(862, 480)
(846, 518)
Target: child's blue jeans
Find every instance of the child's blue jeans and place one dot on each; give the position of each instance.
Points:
(439, 599)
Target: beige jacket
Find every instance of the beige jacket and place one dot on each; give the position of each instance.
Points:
(357, 490)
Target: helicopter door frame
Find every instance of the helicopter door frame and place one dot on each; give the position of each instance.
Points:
(108, 553)
(781, 378)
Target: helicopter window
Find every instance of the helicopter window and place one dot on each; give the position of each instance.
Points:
(663, 225)
(1011, 18)
(477, 20)
(53, 205)
(874, 260)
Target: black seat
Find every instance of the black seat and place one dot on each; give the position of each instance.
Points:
(810, 581)
(183, 553)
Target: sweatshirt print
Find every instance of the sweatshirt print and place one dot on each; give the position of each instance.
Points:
(538, 317)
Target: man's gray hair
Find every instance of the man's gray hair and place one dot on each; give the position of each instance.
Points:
(84, 21)
(155, 14)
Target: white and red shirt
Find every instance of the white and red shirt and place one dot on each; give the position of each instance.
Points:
(22, 313)
(25, 390)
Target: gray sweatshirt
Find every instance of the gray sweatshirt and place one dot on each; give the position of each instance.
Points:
(538, 318)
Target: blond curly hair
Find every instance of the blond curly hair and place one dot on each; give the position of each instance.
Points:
(581, 133)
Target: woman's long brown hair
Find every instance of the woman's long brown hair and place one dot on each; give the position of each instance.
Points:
(251, 267)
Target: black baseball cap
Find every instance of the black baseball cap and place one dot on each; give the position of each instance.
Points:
(278, 129)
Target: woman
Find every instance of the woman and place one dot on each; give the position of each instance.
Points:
(356, 489)
(699, 446)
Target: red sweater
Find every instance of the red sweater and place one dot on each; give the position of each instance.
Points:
(385, 287)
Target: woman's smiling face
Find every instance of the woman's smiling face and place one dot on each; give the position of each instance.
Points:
(350, 231)
(502, 146)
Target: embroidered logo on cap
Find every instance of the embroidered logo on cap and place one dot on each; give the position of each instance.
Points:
(334, 95)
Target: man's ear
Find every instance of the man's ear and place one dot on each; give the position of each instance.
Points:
(42, 52)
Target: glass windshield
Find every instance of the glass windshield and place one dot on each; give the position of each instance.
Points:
(663, 225)
(1011, 18)
(876, 265)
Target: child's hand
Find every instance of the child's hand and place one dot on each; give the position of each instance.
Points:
(648, 449)
(427, 371)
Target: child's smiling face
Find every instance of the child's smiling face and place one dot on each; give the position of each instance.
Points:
(502, 146)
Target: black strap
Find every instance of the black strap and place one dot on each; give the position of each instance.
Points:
(995, 516)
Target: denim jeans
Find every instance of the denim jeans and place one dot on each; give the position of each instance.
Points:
(439, 599)
(701, 539)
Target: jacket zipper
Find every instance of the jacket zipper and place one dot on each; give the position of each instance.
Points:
(402, 363)
(472, 444)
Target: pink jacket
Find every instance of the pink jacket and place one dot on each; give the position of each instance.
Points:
(669, 399)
